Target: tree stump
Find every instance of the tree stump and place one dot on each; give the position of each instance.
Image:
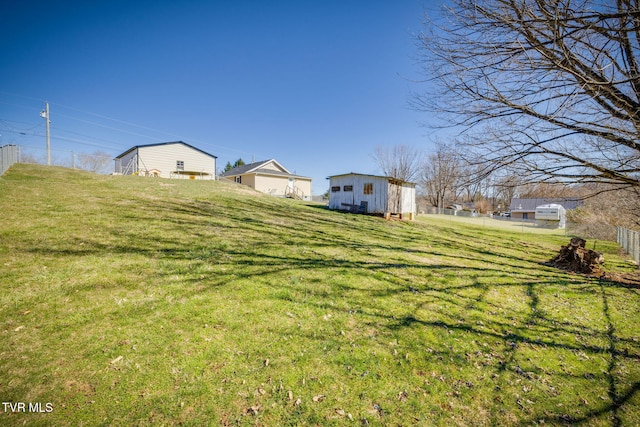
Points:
(576, 258)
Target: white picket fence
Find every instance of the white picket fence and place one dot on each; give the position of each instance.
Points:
(630, 242)
(8, 156)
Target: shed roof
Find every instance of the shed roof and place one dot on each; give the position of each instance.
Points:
(529, 205)
(388, 178)
(164, 143)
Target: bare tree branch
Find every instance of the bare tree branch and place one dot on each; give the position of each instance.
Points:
(400, 161)
(550, 89)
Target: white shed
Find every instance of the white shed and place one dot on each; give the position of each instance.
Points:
(167, 160)
(372, 194)
(552, 214)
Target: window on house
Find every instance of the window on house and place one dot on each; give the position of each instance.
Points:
(238, 179)
(348, 188)
(335, 189)
(180, 165)
(368, 188)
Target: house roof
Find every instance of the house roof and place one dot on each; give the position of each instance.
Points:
(164, 143)
(259, 168)
(388, 178)
(529, 205)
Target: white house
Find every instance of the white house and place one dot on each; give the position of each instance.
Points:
(372, 194)
(272, 178)
(167, 160)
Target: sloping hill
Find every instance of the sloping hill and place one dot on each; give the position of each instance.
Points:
(126, 300)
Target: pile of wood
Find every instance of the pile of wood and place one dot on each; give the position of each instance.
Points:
(575, 257)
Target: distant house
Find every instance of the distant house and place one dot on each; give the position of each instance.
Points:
(167, 160)
(270, 177)
(372, 194)
(526, 208)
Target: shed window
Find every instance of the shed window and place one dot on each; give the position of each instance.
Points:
(348, 188)
(335, 189)
(180, 165)
(368, 188)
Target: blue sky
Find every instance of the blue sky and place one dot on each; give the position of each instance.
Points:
(316, 85)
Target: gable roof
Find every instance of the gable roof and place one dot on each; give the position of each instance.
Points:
(529, 205)
(164, 143)
(259, 168)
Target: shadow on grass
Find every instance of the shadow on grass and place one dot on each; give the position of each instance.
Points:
(392, 264)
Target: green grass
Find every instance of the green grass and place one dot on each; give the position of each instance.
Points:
(134, 301)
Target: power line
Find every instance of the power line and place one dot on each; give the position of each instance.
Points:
(119, 129)
(16, 121)
(109, 127)
(152, 138)
(60, 138)
(118, 120)
(180, 137)
(97, 140)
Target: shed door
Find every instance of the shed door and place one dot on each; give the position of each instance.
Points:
(394, 202)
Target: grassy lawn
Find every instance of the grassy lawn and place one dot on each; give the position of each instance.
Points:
(509, 224)
(134, 301)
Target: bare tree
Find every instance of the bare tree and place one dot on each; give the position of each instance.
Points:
(551, 87)
(440, 175)
(505, 188)
(543, 190)
(400, 161)
(609, 208)
(98, 161)
(30, 157)
(474, 183)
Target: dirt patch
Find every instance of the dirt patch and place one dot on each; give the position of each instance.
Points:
(576, 258)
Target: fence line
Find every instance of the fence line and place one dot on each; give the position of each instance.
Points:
(8, 156)
(630, 242)
(431, 210)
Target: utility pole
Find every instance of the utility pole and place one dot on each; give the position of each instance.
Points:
(45, 114)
